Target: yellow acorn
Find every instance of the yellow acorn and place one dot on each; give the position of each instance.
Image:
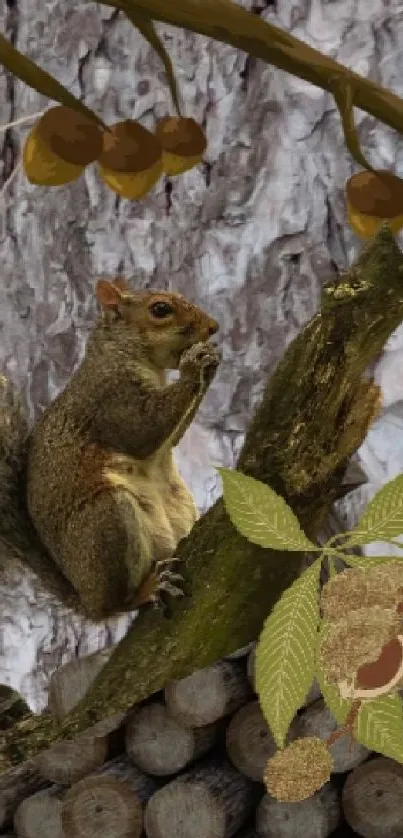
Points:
(59, 147)
(182, 141)
(374, 198)
(131, 159)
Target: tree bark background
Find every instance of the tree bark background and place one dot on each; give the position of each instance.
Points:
(251, 235)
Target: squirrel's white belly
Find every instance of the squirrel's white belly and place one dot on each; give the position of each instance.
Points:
(162, 504)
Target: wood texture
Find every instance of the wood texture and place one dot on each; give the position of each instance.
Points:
(39, 815)
(249, 741)
(102, 805)
(211, 801)
(159, 745)
(17, 784)
(373, 799)
(208, 694)
(317, 816)
(66, 762)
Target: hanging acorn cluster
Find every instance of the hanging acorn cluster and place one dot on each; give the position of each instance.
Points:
(130, 158)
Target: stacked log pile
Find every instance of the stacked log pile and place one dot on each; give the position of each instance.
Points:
(188, 763)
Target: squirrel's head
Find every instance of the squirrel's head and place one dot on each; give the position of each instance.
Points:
(160, 324)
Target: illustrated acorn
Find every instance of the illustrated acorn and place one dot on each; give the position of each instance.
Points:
(182, 141)
(131, 159)
(374, 198)
(59, 146)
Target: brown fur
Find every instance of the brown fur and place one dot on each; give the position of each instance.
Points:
(103, 491)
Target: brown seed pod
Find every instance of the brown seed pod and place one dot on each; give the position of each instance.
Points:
(70, 135)
(299, 770)
(353, 641)
(131, 159)
(374, 198)
(59, 147)
(379, 677)
(43, 168)
(182, 141)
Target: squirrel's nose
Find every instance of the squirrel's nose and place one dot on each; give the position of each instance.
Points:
(213, 327)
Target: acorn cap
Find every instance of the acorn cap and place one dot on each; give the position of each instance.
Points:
(181, 135)
(377, 194)
(129, 147)
(70, 135)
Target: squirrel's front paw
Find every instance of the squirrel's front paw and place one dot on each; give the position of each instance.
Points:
(200, 362)
(160, 579)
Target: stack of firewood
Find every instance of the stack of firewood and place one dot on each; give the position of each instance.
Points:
(188, 763)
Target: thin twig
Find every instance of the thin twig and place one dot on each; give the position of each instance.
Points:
(10, 179)
(21, 120)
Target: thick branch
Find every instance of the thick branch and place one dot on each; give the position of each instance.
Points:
(227, 22)
(313, 416)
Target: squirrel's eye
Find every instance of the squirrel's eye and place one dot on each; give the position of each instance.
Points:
(161, 309)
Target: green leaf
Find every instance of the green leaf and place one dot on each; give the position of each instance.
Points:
(379, 726)
(344, 97)
(285, 653)
(261, 515)
(33, 75)
(383, 516)
(339, 707)
(145, 25)
(369, 561)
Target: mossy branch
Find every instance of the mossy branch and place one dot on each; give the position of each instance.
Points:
(313, 416)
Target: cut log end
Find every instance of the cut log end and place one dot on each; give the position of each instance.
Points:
(100, 806)
(373, 799)
(208, 694)
(158, 744)
(39, 816)
(249, 741)
(318, 815)
(68, 761)
(210, 801)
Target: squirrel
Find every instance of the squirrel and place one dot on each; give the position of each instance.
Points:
(90, 497)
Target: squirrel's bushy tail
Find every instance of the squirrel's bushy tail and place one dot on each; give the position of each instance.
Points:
(18, 536)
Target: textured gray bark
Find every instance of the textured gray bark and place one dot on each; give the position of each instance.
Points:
(251, 236)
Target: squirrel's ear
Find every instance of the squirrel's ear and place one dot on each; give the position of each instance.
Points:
(108, 294)
(122, 284)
